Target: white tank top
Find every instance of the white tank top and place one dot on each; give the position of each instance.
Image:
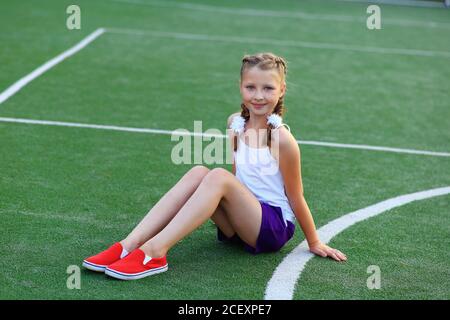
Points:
(257, 169)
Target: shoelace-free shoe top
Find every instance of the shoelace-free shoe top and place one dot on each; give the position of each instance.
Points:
(100, 261)
(136, 265)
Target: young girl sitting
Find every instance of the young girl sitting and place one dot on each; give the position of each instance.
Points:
(256, 205)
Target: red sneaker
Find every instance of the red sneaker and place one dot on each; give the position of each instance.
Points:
(100, 261)
(136, 265)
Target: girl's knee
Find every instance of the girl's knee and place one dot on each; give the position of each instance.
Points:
(199, 171)
(217, 176)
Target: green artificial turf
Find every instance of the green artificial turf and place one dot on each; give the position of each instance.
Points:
(67, 193)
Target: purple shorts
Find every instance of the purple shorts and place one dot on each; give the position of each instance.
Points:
(273, 233)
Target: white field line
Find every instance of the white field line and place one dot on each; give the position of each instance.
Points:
(277, 42)
(48, 65)
(184, 132)
(68, 217)
(287, 14)
(179, 132)
(376, 148)
(282, 284)
(72, 217)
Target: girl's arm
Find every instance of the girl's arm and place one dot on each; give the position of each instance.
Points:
(290, 167)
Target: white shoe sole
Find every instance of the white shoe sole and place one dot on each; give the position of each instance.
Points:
(93, 266)
(135, 276)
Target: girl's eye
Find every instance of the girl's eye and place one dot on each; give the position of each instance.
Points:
(269, 88)
(250, 87)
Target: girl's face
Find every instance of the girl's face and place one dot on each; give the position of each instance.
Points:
(261, 90)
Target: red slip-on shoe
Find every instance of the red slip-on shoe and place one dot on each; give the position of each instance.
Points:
(136, 265)
(100, 261)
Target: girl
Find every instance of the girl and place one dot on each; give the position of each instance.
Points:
(254, 206)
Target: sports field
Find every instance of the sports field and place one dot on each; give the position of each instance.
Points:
(68, 191)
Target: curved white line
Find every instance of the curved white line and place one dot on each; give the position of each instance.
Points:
(282, 284)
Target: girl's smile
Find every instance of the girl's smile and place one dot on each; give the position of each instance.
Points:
(259, 106)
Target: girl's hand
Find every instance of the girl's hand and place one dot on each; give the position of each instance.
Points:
(323, 250)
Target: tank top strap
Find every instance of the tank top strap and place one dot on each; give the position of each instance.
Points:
(284, 124)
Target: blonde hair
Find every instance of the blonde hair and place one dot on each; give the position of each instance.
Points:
(264, 61)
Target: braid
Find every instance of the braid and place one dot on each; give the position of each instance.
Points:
(244, 112)
(279, 110)
(246, 115)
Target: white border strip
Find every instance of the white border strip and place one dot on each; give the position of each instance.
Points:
(184, 132)
(277, 42)
(410, 3)
(282, 284)
(48, 65)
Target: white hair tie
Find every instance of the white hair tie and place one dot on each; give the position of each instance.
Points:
(275, 120)
(237, 125)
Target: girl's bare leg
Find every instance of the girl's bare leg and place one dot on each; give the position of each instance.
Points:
(219, 186)
(222, 221)
(166, 208)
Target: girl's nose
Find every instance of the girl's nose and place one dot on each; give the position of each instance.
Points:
(259, 95)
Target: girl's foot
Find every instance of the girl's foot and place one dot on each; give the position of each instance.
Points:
(137, 265)
(100, 261)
